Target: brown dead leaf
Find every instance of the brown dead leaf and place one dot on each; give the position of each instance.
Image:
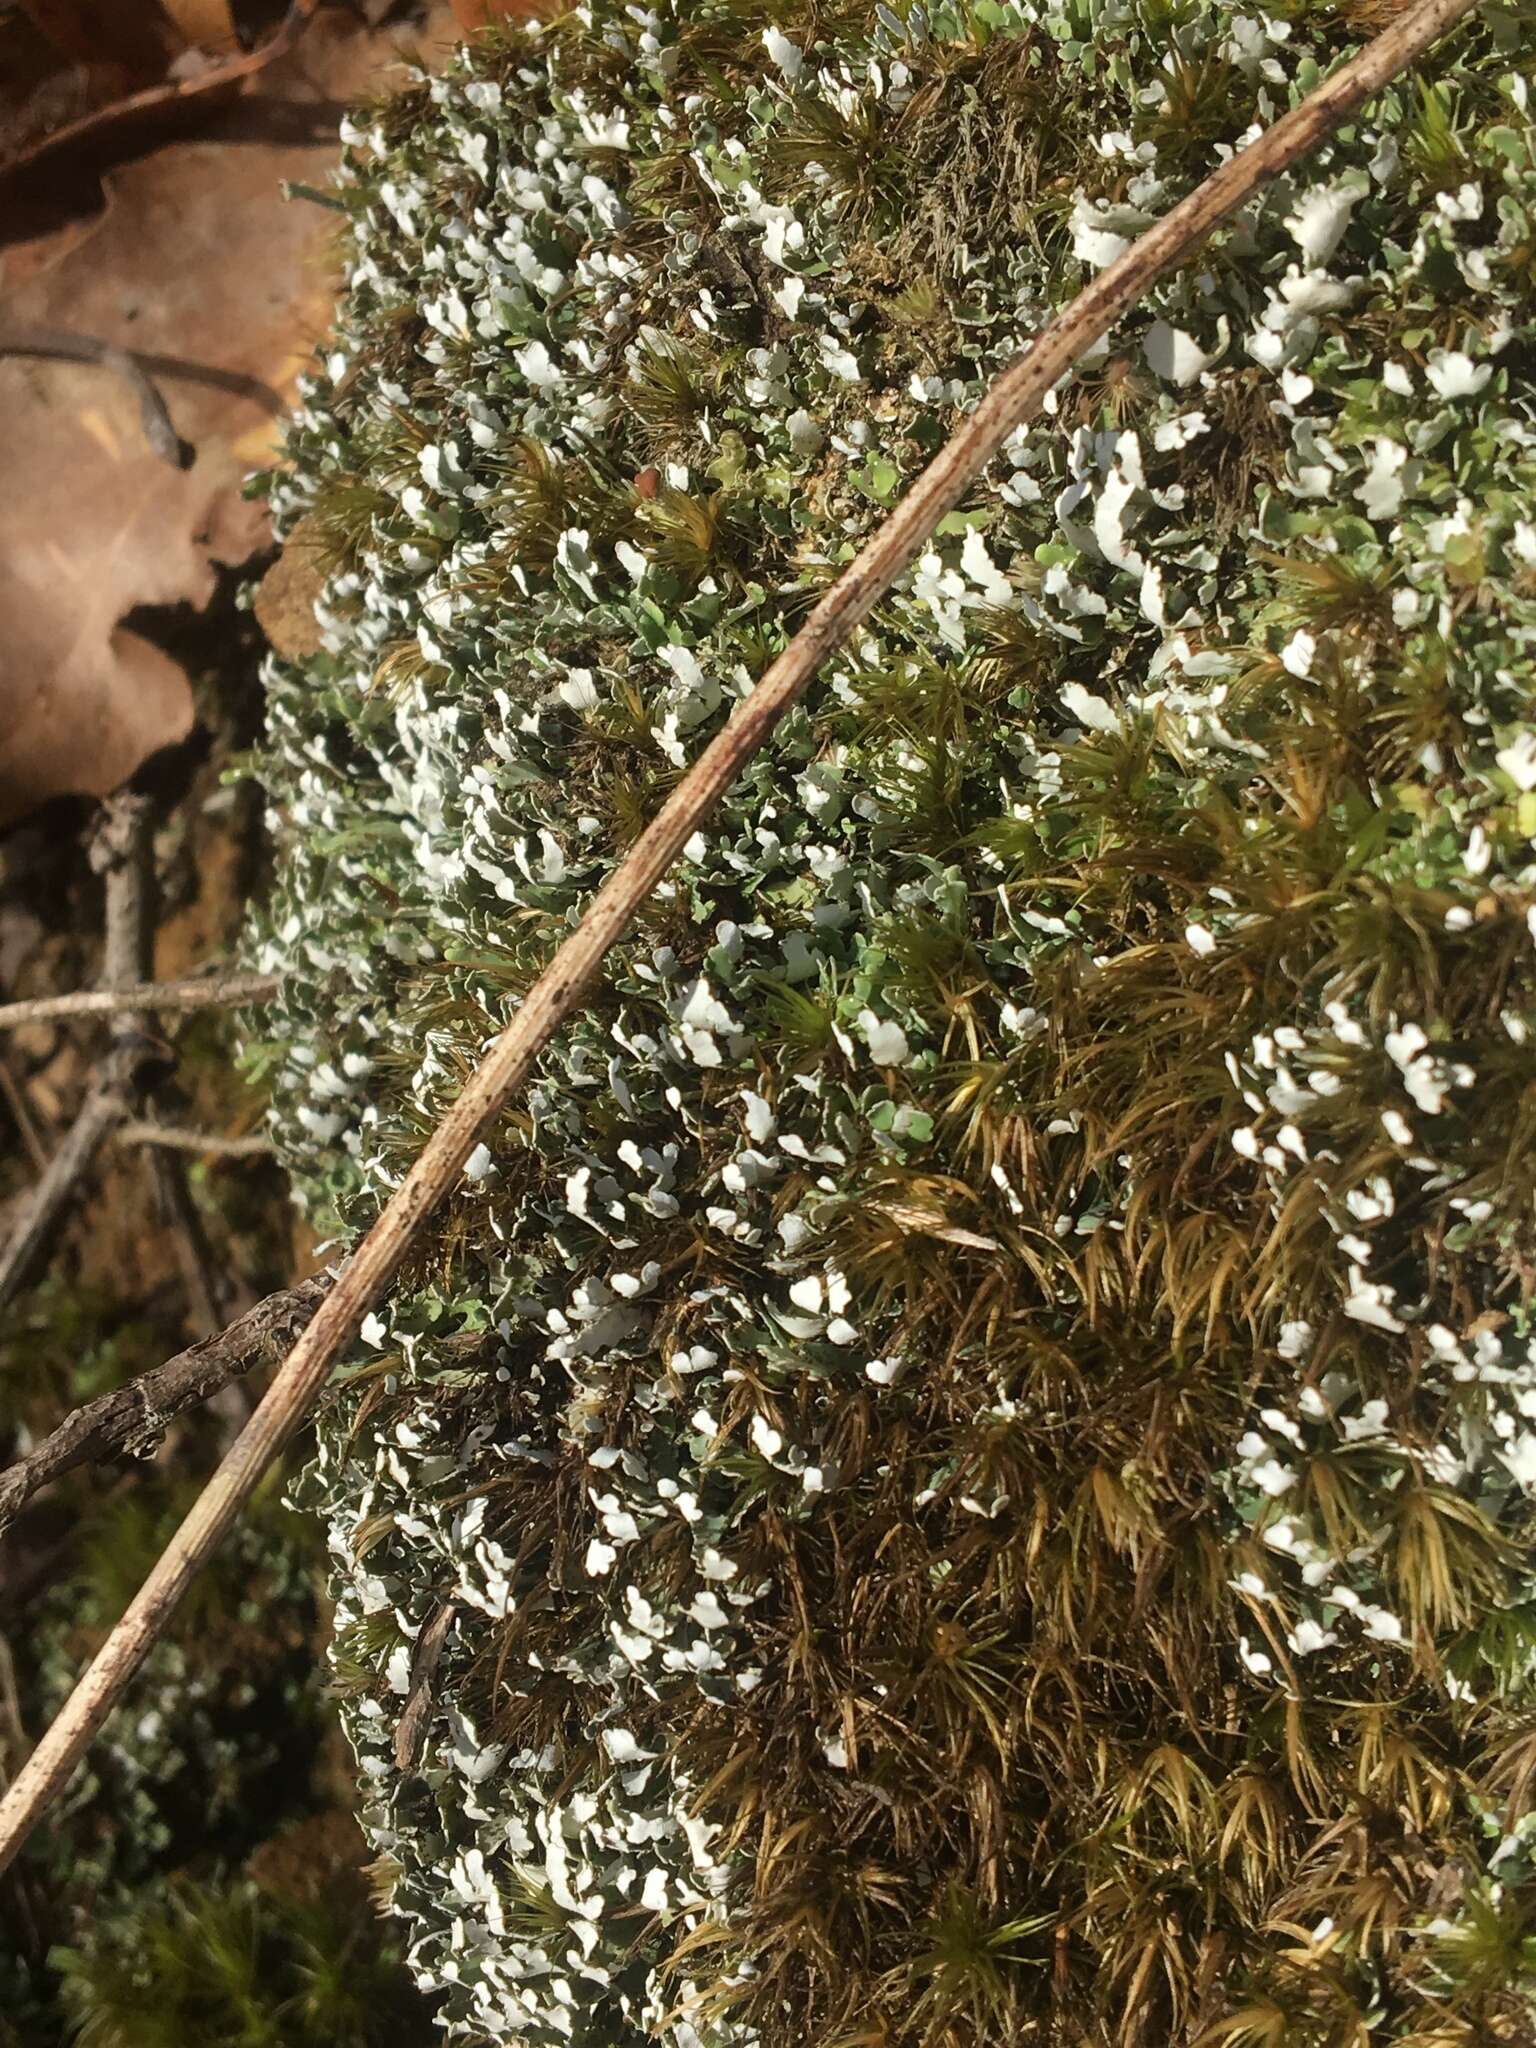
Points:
(137, 34)
(110, 131)
(204, 24)
(40, 89)
(220, 290)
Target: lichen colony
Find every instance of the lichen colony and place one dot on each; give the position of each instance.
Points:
(977, 1424)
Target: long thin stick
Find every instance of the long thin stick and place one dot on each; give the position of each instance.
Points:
(1013, 398)
(201, 993)
(133, 1417)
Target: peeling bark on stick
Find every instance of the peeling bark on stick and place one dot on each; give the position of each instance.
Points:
(132, 1418)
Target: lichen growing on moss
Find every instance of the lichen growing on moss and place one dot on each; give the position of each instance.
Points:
(976, 1423)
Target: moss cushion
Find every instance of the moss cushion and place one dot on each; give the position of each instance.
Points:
(960, 1470)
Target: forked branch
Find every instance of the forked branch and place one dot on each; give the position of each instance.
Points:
(1014, 397)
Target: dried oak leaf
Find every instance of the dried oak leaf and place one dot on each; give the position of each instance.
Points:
(139, 35)
(220, 289)
(40, 165)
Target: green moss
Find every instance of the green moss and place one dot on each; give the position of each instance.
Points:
(972, 1427)
(227, 1965)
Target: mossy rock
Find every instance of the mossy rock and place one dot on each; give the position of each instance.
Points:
(967, 1442)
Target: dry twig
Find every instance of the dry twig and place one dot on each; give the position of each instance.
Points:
(1014, 397)
(204, 1284)
(416, 1714)
(100, 1114)
(21, 1115)
(120, 848)
(208, 1143)
(133, 1417)
(202, 992)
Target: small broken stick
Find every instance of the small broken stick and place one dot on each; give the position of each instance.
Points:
(134, 1416)
(411, 1728)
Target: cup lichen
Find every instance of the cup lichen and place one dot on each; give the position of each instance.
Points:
(976, 1422)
